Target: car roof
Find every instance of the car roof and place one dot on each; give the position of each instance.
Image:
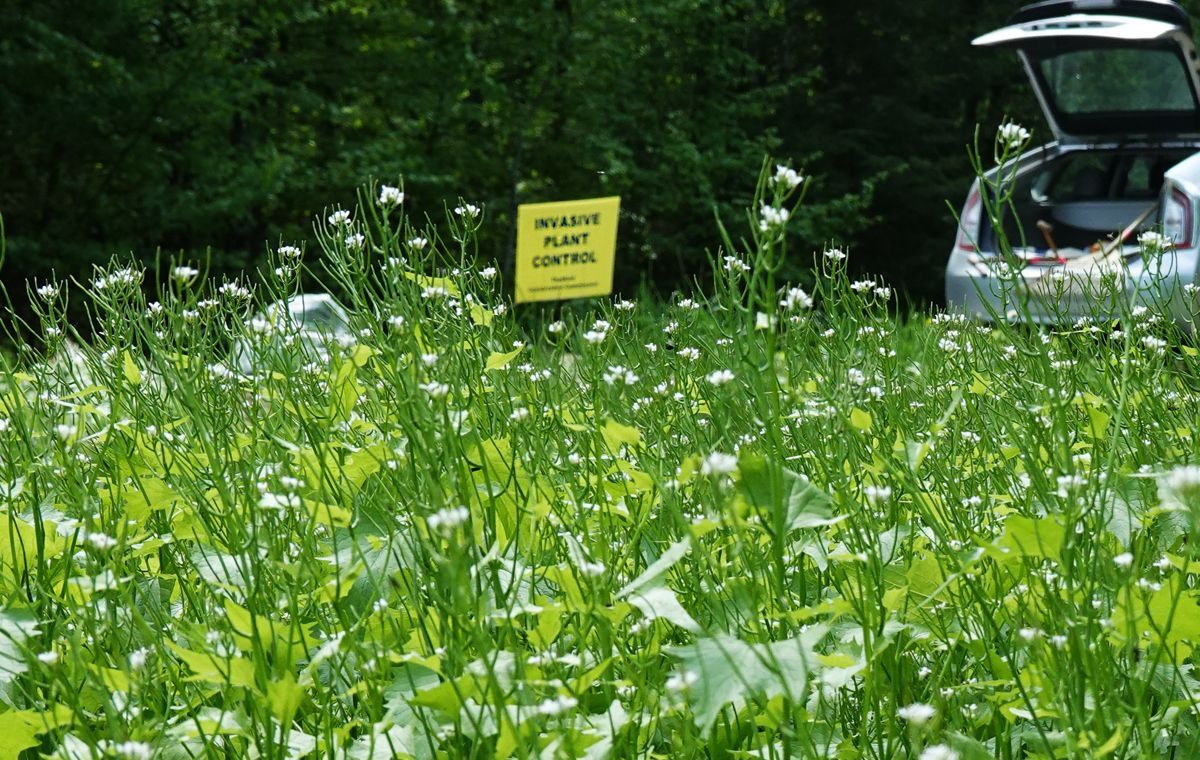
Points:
(1159, 10)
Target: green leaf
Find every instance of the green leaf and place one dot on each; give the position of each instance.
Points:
(499, 361)
(16, 627)
(724, 670)
(395, 742)
(19, 728)
(615, 435)
(803, 505)
(362, 354)
(132, 373)
(284, 697)
(661, 602)
(653, 574)
(16, 734)
(1032, 537)
(859, 419)
(1170, 616)
(221, 671)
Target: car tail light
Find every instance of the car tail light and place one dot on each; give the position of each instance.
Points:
(1177, 219)
(968, 223)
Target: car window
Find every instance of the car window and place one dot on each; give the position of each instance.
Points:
(1117, 79)
(1084, 177)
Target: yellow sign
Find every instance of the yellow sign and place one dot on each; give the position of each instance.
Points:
(566, 249)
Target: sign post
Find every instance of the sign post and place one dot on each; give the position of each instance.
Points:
(566, 249)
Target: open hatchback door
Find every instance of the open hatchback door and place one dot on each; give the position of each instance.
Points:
(1109, 71)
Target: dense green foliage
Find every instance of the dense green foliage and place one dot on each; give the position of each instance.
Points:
(770, 523)
(126, 125)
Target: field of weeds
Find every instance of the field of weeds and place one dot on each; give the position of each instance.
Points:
(768, 523)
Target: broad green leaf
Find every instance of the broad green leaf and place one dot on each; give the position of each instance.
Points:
(859, 419)
(653, 575)
(284, 696)
(1032, 537)
(362, 354)
(253, 632)
(426, 281)
(498, 360)
(132, 373)
(394, 742)
(221, 671)
(661, 602)
(17, 733)
(803, 505)
(615, 435)
(1169, 617)
(725, 670)
(19, 545)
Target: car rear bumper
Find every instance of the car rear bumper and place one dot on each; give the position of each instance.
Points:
(1054, 296)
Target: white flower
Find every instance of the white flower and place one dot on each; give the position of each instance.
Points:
(488, 273)
(48, 658)
(48, 292)
(554, 328)
(355, 241)
(1123, 560)
(595, 336)
(435, 389)
(788, 177)
(624, 305)
(835, 254)
(1180, 487)
(289, 252)
(1153, 343)
(762, 321)
(133, 750)
(557, 705)
(771, 217)
(876, 494)
(733, 264)
(856, 376)
(682, 681)
(1154, 241)
(340, 218)
(118, 278)
(137, 658)
(938, 752)
(718, 463)
(1011, 136)
(234, 290)
(918, 713)
(619, 374)
(390, 196)
(796, 297)
(690, 353)
(418, 243)
(100, 541)
(720, 377)
(279, 501)
(467, 210)
(448, 519)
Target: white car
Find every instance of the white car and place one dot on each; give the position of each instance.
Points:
(1118, 82)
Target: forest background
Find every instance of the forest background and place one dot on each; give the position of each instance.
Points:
(207, 129)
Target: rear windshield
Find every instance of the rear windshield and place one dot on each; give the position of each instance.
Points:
(1118, 79)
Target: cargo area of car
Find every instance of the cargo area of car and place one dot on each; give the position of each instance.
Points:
(1085, 197)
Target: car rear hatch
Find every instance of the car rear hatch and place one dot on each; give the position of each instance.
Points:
(1108, 70)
